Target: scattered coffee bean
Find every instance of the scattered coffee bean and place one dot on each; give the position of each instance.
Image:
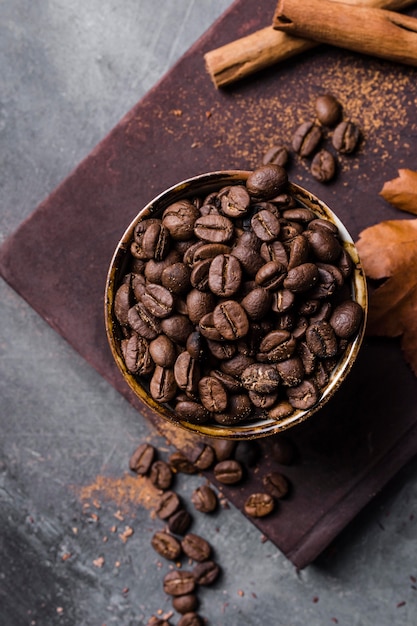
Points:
(166, 545)
(276, 484)
(179, 582)
(323, 166)
(206, 573)
(203, 458)
(186, 603)
(306, 138)
(259, 505)
(228, 472)
(161, 475)
(196, 547)
(180, 463)
(277, 155)
(169, 503)
(179, 522)
(142, 458)
(346, 137)
(328, 110)
(204, 499)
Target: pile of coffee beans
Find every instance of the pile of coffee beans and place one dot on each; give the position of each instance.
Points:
(307, 141)
(237, 306)
(192, 556)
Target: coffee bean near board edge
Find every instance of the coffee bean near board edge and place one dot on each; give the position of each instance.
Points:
(180, 463)
(228, 472)
(204, 499)
(179, 582)
(206, 573)
(161, 475)
(142, 458)
(259, 504)
(202, 457)
(196, 547)
(276, 484)
(179, 522)
(166, 545)
(168, 504)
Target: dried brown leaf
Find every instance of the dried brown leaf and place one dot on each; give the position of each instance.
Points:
(401, 192)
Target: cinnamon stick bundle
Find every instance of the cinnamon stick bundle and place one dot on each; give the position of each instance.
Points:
(267, 46)
(377, 32)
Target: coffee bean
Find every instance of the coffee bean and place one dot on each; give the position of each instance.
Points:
(162, 351)
(324, 244)
(208, 251)
(176, 278)
(280, 410)
(195, 547)
(257, 303)
(230, 320)
(199, 277)
(346, 137)
(187, 373)
(179, 522)
(143, 322)
(323, 166)
(161, 475)
(228, 472)
(168, 504)
(137, 356)
(306, 138)
(177, 327)
(224, 449)
(259, 505)
(206, 573)
(203, 458)
(179, 582)
(321, 339)
(301, 278)
(235, 201)
(271, 275)
(163, 387)
(166, 545)
(142, 458)
(346, 319)
(179, 219)
(179, 463)
(278, 345)
(225, 275)
(213, 228)
(261, 377)
(267, 181)
(303, 396)
(212, 394)
(191, 619)
(239, 410)
(192, 412)
(277, 155)
(276, 484)
(263, 400)
(265, 225)
(328, 110)
(122, 304)
(156, 241)
(185, 604)
(204, 499)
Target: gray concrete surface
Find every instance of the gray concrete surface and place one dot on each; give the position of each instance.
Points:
(69, 71)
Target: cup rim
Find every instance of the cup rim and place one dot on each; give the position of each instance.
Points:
(201, 185)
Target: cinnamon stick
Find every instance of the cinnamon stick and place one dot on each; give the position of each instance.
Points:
(267, 46)
(377, 32)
